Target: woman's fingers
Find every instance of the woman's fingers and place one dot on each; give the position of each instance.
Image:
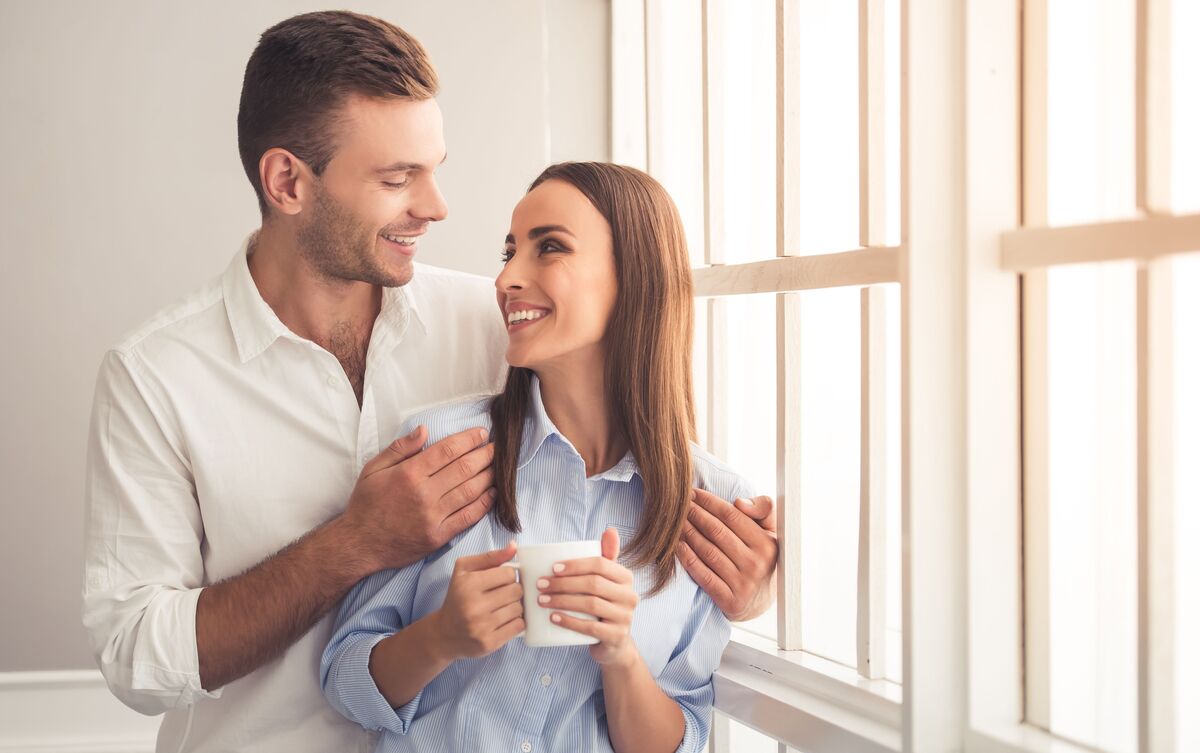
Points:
(593, 605)
(594, 566)
(507, 614)
(605, 632)
(589, 585)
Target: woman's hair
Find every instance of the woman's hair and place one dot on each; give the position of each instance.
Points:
(648, 366)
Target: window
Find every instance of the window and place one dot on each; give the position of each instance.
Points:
(798, 311)
(950, 322)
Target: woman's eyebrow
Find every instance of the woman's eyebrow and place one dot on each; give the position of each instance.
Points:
(544, 229)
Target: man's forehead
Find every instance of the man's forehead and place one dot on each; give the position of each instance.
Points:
(392, 135)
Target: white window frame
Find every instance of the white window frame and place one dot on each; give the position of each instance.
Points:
(971, 267)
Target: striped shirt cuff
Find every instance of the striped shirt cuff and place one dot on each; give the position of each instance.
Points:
(356, 691)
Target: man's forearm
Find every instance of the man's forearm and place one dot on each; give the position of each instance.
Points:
(641, 717)
(245, 621)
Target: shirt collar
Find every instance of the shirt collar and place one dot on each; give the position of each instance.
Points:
(539, 428)
(255, 326)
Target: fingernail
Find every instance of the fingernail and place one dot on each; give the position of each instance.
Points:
(555, 618)
(543, 599)
(482, 435)
(559, 567)
(413, 433)
(543, 583)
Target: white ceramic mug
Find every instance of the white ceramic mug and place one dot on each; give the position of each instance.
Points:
(537, 561)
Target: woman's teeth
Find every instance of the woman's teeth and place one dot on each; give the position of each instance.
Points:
(525, 315)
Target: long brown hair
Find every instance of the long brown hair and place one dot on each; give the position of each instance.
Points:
(648, 369)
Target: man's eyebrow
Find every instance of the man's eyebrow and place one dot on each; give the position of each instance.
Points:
(399, 167)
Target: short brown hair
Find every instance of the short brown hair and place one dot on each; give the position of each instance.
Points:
(305, 68)
(648, 368)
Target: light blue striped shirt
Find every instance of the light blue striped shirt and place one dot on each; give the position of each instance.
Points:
(520, 699)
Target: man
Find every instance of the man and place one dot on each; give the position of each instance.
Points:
(242, 473)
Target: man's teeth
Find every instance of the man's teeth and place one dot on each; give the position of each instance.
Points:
(520, 316)
(402, 240)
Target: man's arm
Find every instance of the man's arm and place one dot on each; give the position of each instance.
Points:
(162, 639)
(731, 551)
(405, 504)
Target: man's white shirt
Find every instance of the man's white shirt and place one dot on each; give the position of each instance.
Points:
(218, 437)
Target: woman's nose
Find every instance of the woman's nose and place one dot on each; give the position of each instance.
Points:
(511, 277)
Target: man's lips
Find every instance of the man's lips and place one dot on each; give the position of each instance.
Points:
(407, 249)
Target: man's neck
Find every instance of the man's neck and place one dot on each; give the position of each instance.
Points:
(577, 403)
(312, 305)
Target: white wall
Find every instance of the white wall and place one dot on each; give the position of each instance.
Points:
(123, 190)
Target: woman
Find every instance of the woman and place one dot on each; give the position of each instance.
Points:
(591, 438)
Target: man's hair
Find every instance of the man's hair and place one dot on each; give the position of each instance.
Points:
(305, 68)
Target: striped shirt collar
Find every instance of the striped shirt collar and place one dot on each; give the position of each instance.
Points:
(539, 428)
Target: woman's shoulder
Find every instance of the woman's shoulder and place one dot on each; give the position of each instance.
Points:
(714, 475)
(444, 419)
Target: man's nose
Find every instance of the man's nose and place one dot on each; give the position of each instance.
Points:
(430, 205)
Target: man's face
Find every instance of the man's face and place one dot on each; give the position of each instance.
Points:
(378, 192)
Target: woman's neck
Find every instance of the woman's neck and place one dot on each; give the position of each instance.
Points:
(577, 403)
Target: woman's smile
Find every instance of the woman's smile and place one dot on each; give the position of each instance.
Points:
(519, 315)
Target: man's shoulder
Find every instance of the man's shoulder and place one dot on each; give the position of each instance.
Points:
(714, 475)
(184, 321)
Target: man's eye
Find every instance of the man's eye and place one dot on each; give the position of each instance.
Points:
(401, 184)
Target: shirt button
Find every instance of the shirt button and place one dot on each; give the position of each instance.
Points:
(545, 681)
(331, 380)
(526, 747)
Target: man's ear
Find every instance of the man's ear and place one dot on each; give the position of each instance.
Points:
(286, 181)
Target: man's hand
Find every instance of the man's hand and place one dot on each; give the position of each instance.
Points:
(407, 501)
(730, 551)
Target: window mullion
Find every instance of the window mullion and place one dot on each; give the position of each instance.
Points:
(872, 520)
(1156, 532)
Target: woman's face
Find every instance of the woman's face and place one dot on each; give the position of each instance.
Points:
(559, 283)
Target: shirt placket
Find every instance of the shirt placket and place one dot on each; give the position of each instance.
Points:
(543, 681)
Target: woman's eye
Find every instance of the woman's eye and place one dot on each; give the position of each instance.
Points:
(506, 255)
(548, 246)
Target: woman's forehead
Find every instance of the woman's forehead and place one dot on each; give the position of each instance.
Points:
(556, 202)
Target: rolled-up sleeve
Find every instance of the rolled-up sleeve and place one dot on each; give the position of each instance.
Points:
(375, 609)
(143, 568)
(687, 676)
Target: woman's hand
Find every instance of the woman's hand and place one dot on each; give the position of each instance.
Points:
(482, 610)
(602, 588)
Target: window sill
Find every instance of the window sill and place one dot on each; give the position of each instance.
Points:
(1019, 738)
(805, 701)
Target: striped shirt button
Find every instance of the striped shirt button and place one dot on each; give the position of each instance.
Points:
(546, 681)
(526, 747)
